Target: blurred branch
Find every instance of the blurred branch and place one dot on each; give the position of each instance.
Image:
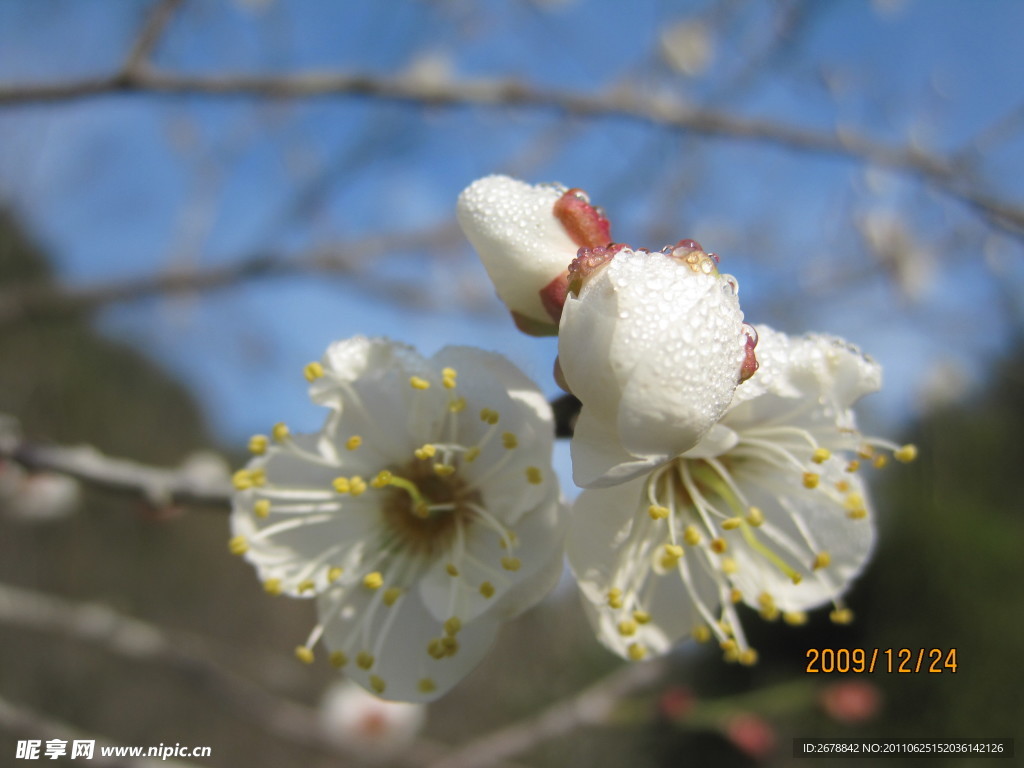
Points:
(20, 302)
(594, 705)
(124, 636)
(159, 487)
(21, 719)
(622, 104)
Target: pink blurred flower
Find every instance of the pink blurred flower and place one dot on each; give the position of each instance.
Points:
(853, 701)
(751, 734)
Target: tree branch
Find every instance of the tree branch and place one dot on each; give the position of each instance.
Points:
(594, 705)
(623, 105)
(160, 16)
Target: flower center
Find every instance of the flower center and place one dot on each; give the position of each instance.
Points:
(424, 509)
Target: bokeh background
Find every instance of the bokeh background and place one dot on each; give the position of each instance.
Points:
(197, 197)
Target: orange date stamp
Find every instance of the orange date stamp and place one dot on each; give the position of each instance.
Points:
(893, 660)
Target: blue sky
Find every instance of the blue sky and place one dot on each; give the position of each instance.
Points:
(132, 185)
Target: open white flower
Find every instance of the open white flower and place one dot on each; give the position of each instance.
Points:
(526, 236)
(767, 510)
(653, 344)
(421, 516)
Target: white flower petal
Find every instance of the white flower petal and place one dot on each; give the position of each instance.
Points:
(654, 345)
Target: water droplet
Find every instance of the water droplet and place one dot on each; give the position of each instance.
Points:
(729, 285)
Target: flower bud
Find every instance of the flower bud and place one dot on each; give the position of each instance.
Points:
(526, 235)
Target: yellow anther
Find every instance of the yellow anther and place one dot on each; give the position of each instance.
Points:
(242, 480)
(866, 451)
(641, 617)
(533, 476)
(377, 683)
(391, 595)
(729, 646)
(735, 595)
(313, 371)
(765, 600)
(657, 512)
(675, 551)
(452, 569)
(732, 523)
(821, 455)
(457, 405)
(509, 440)
(795, 577)
(338, 659)
(333, 574)
(719, 545)
(489, 416)
(373, 580)
(238, 545)
(636, 652)
(487, 590)
(729, 566)
(511, 563)
(691, 535)
(905, 454)
(748, 658)
(364, 660)
(304, 654)
(450, 645)
(615, 598)
(453, 625)
(755, 516)
(427, 451)
(841, 616)
(381, 479)
(258, 444)
(426, 685)
(794, 618)
(880, 461)
(627, 627)
(471, 454)
(509, 538)
(435, 649)
(821, 560)
(272, 586)
(769, 614)
(280, 432)
(857, 514)
(726, 627)
(842, 485)
(853, 465)
(444, 470)
(307, 585)
(448, 377)
(356, 485)
(853, 501)
(341, 484)
(261, 508)
(701, 634)
(354, 442)
(258, 477)
(416, 382)
(811, 479)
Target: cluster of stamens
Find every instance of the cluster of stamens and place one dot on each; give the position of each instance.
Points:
(424, 506)
(694, 515)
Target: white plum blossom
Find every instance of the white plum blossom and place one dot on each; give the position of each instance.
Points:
(769, 509)
(366, 725)
(423, 514)
(526, 235)
(653, 344)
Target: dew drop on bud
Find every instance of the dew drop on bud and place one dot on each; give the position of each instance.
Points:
(729, 285)
(689, 244)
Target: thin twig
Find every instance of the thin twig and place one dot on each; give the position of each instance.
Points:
(592, 706)
(623, 105)
(160, 16)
